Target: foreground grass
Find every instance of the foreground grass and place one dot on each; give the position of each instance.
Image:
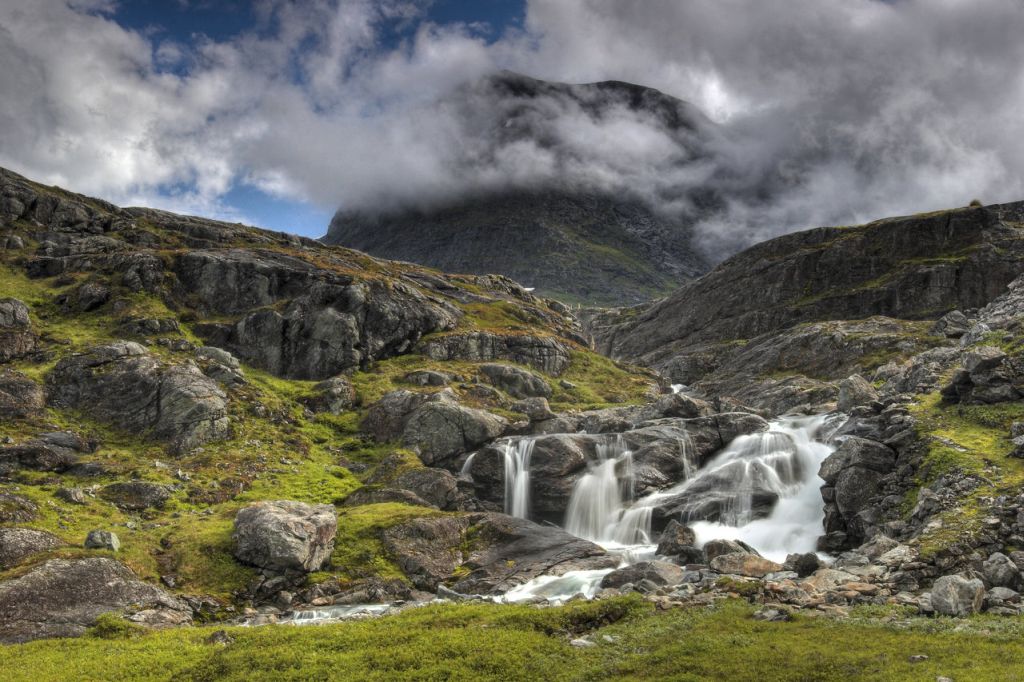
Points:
(489, 642)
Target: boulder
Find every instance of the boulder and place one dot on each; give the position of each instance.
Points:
(17, 544)
(64, 597)
(954, 595)
(375, 495)
(717, 548)
(285, 536)
(102, 539)
(802, 564)
(518, 383)
(19, 396)
(544, 353)
(1000, 571)
(123, 384)
(952, 325)
(744, 563)
(676, 539)
(535, 409)
(16, 508)
(660, 573)
(438, 487)
(989, 375)
(90, 296)
(426, 377)
(334, 396)
(136, 495)
(16, 336)
(440, 430)
(855, 391)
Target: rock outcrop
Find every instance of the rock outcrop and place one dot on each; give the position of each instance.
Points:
(123, 384)
(543, 353)
(16, 336)
(63, 597)
(17, 544)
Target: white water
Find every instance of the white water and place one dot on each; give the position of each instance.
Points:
(783, 461)
(517, 476)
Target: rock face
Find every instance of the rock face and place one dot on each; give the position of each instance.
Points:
(124, 385)
(498, 551)
(853, 475)
(906, 268)
(17, 544)
(61, 598)
(329, 322)
(285, 536)
(988, 375)
(16, 336)
(546, 354)
(436, 425)
(601, 246)
(953, 595)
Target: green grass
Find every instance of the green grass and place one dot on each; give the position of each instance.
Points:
(491, 642)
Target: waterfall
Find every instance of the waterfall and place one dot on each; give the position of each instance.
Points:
(517, 476)
(467, 466)
(598, 498)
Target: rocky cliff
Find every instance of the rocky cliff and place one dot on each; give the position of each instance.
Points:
(572, 241)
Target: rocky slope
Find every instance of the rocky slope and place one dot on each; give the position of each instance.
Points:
(575, 243)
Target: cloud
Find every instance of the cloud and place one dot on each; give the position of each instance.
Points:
(825, 111)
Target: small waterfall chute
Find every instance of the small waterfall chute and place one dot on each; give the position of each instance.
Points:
(517, 476)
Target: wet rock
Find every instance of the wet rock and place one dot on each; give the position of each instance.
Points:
(285, 536)
(20, 396)
(61, 598)
(743, 563)
(17, 544)
(954, 595)
(675, 539)
(543, 353)
(802, 564)
(518, 383)
(855, 391)
(334, 396)
(660, 573)
(123, 384)
(16, 336)
(136, 495)
(102, 539)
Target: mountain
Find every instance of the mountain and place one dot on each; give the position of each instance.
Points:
(207, 427)
(573, 241)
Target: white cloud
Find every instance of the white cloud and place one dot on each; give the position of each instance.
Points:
(831, 110)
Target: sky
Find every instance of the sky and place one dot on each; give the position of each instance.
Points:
(278, 112)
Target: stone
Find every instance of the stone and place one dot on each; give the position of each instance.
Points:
(543, 353)
(438, 487)
(426, 377)
(20, 396)
(952, 325)
(123, 384)
(72, 495)
(716, 548)
(954, 595)
(90, 296)
(334, 396)
(535, 409)
(64, 597)
(102, 539)
(661, 573)
(136, 495)
(518, 383)
(284, 536)
(855, 391)
(675, 538)
(802, 564)
(16, 336)
(17, 544)
(16, 508)
(1000, 571)
(772, 615)
(440, 430)
(744, 563)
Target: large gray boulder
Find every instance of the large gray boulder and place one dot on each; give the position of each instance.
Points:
(136, 495)
(518, 383)
(853, 478)
(1000, 571)
(855, 391)
(954, 595)
(285, 536)
(988, 375)
(660, 573)
(56, 451)
(123, 384)
(17, 544)
(16, 336)
(63, 597)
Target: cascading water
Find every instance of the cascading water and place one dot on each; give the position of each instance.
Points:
(776, 467)
(517, 476)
